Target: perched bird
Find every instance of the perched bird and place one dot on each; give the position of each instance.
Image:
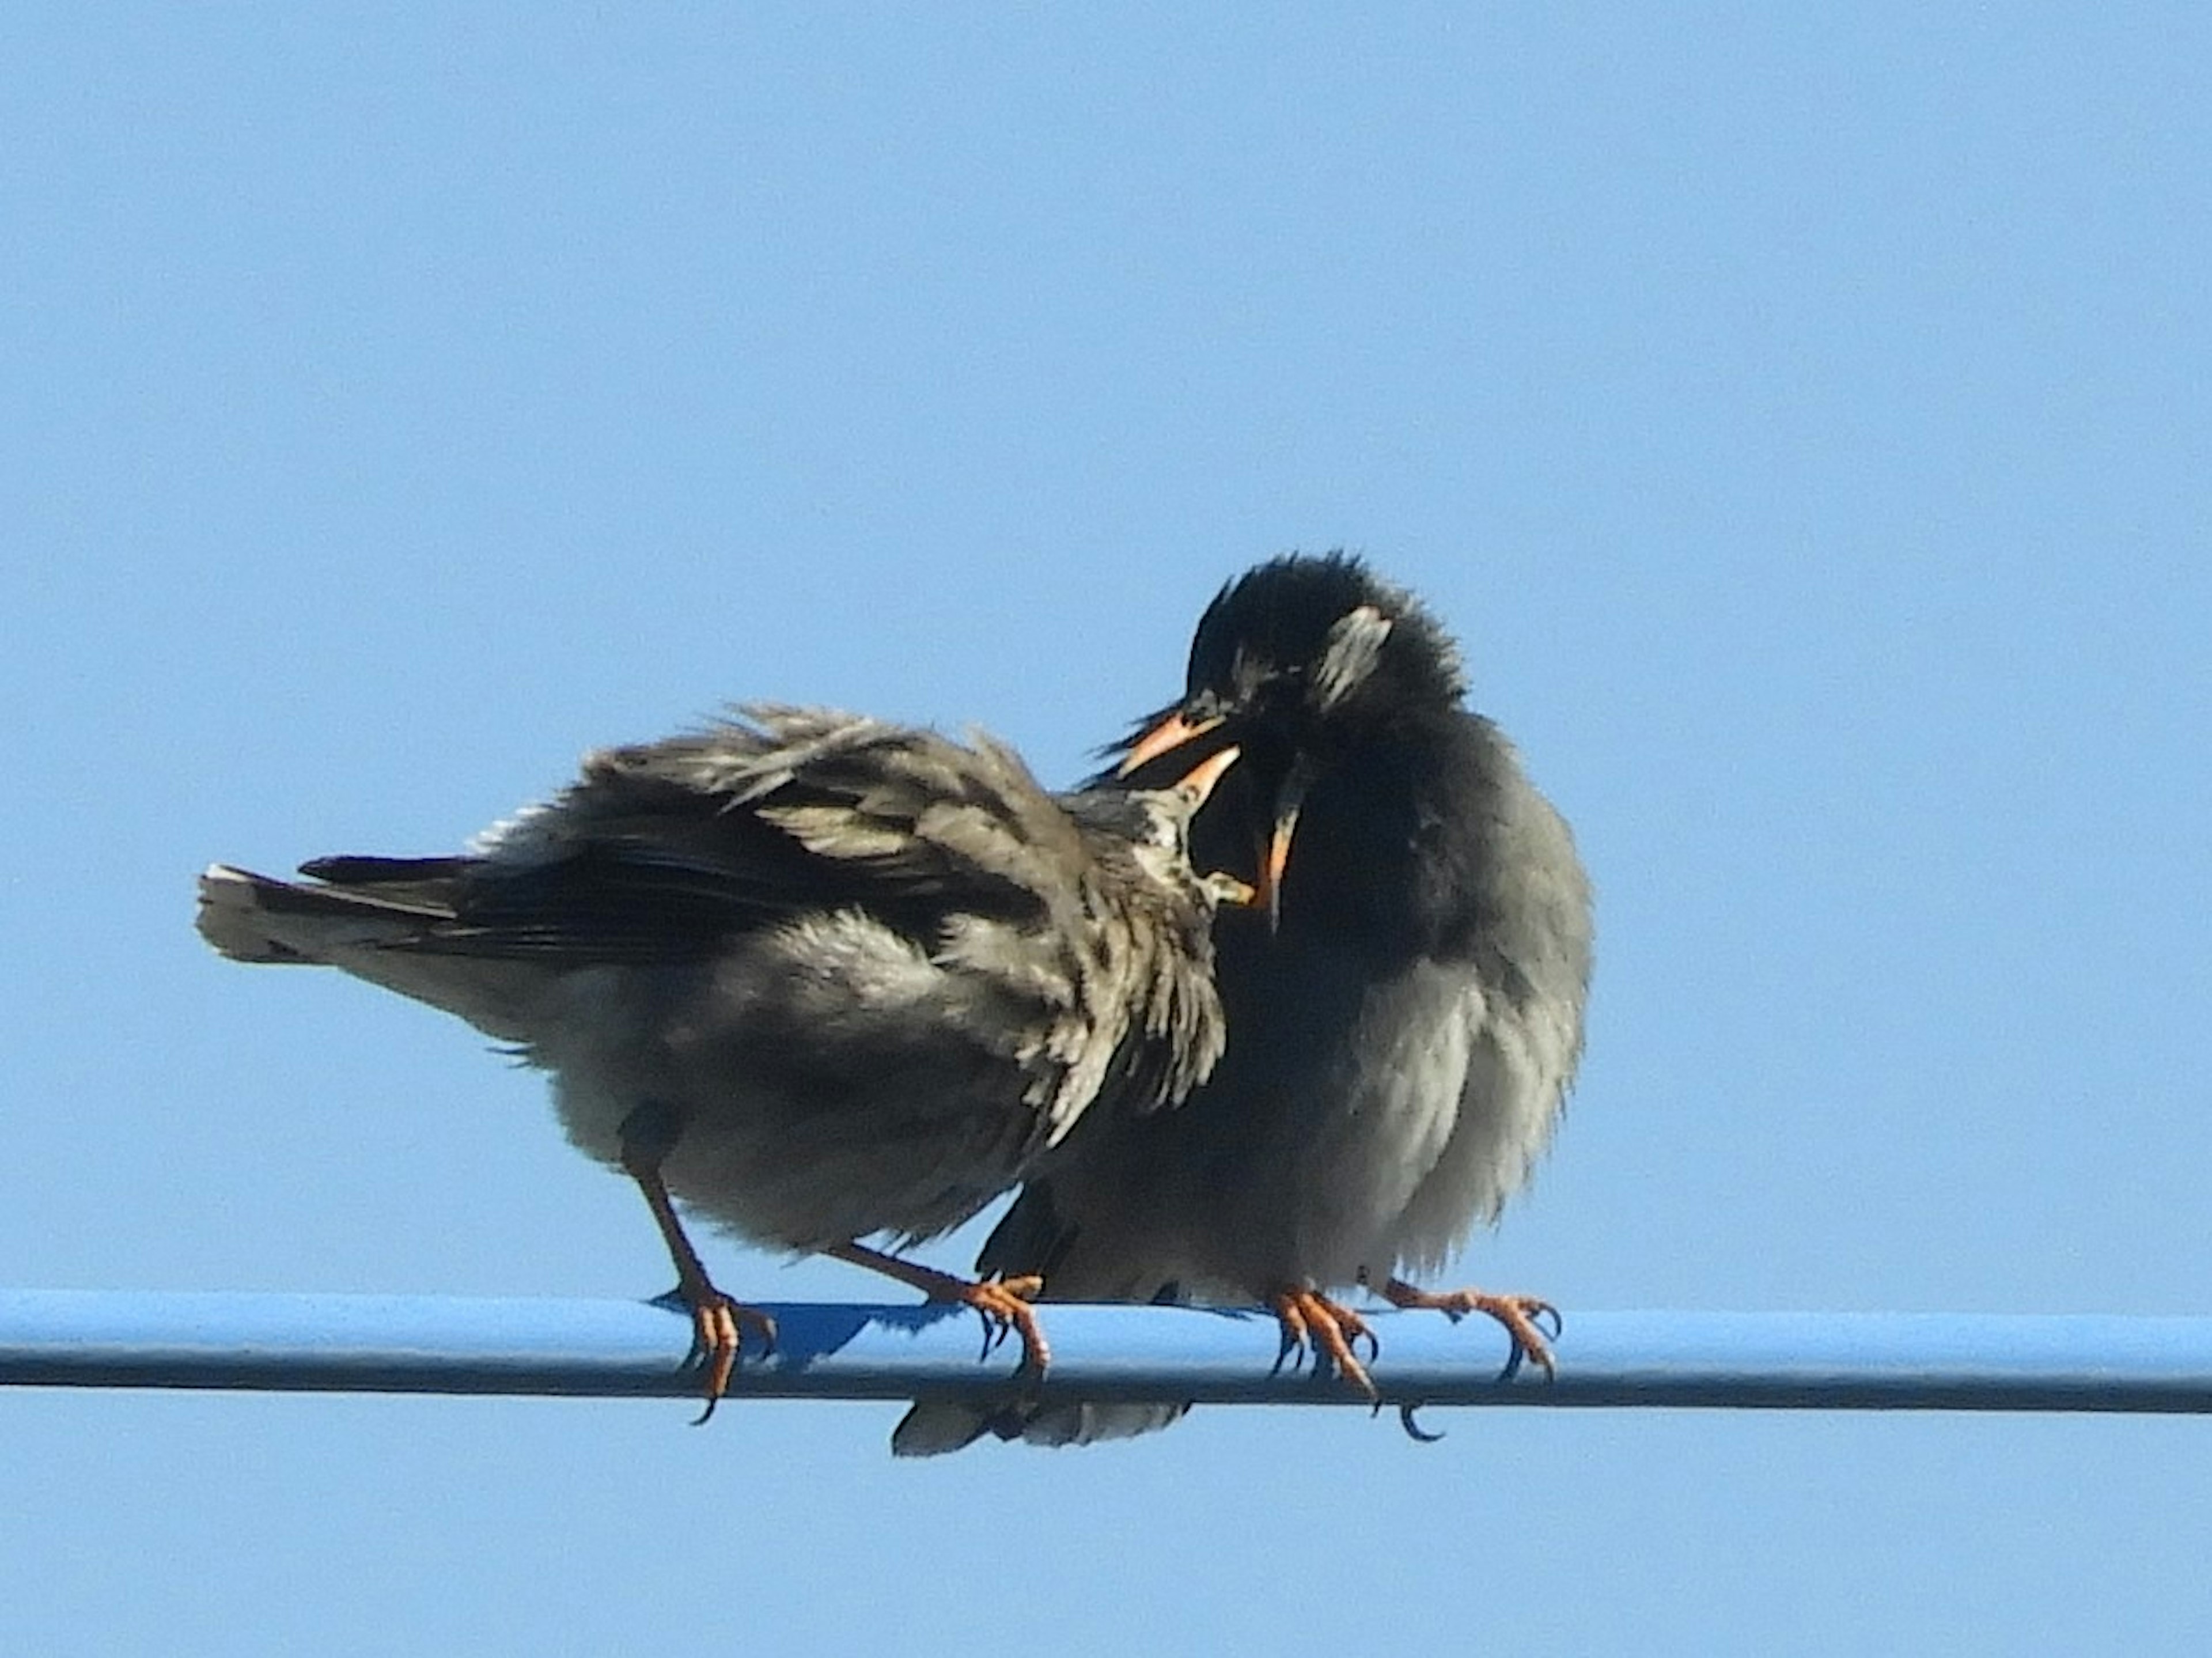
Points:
(1405, 1002)
(811, 977)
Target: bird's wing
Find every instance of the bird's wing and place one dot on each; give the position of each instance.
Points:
(661, 852)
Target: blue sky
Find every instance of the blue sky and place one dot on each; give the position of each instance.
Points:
(1800, 414)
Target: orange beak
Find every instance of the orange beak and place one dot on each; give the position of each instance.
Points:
(1171, 732)
(1194, 786)
(1275, 856)
(1198, 782)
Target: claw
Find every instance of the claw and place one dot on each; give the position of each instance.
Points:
(717, 1323)
(1292, 1320)
(1523, 1317)
(1414, 1431)
(1002, 1303)
(717, 1327)
(1004, 1306)
(1312, 1323)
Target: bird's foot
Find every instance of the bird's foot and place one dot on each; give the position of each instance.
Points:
(717, 1323)
(1312, 1323)
(1523, 1317)
(718, 1335)
(1002, 1303)
(1005, 1304)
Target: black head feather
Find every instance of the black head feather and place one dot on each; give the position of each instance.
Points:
(1308, 654)
(1319, 636)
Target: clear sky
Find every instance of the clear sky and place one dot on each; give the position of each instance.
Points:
(1801, 413)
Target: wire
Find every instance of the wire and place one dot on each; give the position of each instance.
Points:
(445, 1344)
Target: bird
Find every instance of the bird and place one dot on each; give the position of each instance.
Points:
(1405, 1001)
(811, 976)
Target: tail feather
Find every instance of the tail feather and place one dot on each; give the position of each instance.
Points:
(936, 1426)
(258, 918)
(429, 881)
(366, 930)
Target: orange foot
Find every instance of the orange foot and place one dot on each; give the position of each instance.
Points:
(1310, 1321)
(1004, 1303)
(1522, 1316)
(718, 1328)
(717, 1323)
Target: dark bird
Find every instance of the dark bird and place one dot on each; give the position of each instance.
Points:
(811, 977)
(1405, 1001)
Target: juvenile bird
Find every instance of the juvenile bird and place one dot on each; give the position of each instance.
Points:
(809, 975)
(1405, 1001)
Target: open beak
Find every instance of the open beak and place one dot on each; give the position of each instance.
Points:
(1171, 732)
(1275, 856)
(1196, 784)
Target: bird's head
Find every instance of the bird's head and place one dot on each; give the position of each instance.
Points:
(1295, 662)
(1155, 822)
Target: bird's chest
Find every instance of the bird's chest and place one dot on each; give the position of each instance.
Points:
(1338, 1093)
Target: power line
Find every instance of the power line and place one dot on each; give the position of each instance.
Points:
(446, 1345)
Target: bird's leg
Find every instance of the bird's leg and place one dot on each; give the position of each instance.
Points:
(1310, 1319)
(1522, 1316)
(1004, 1303)
(717, 1323)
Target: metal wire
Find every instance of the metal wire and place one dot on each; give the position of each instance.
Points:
(412, 1344)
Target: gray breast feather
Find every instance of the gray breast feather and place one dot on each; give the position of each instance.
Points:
(1516, 1064)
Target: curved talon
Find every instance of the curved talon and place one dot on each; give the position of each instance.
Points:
(1003, 1302)
(1003, 1305)
(1414, 1431)
(1312, 1323)
(717, 1323)
(1522, 1316)
(717, 1327)
(1295, 1342)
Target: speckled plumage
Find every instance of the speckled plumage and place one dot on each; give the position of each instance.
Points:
(872, 974)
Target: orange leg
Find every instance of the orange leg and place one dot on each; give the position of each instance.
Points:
(1311, 1321)
(1522, 1316)
(1003, 1301)
(717, 1323)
